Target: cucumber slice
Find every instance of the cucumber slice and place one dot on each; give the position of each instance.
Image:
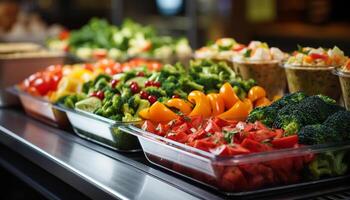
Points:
(90, 104)
(139, 80)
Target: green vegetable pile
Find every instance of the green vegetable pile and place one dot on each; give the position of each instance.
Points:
(316, 120)
(137, 89)
(203, 75)
(128, 40)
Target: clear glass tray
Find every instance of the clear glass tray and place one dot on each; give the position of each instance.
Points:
(41, 109)
(101, 130)
(241, 174)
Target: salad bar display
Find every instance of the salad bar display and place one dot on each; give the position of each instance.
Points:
(226, 118)
(99, 39)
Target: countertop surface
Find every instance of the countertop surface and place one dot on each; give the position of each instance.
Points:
(96, 171)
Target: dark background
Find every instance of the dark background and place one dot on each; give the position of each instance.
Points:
(283, 23)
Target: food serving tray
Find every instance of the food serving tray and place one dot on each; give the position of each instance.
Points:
(101, 130)
(41, 109)
(242, 174)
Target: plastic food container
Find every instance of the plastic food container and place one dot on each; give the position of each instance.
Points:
(313, 80)
(41, 109)
(267, 74)
(101, 130)
(242, 174)
(16, 67)
(344, 79)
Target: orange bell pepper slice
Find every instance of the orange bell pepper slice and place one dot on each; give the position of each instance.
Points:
(256, 93)
(144, 113)
(239, 111)
(202, 105)
(228, 95)
(159, 113)
(262, 102)
(180, 104)
(217, 103)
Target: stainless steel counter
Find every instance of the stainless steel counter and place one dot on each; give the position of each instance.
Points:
(95, 171)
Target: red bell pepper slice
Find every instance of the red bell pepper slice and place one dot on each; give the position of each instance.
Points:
(285, 142)
(318, 56)
(255, 146)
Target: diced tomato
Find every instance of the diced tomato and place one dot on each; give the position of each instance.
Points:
(279, 133)
(238, 47)
(162, 129)
(179, 136)
(196, 121)
(248, 127)
(261, 135)
(238, 150)
(184, 128)
(318, 56)
(285, 142)
(233, 179)
(255, 146)
(149, 126)
(222, 150)
(197, 135)
(204, 144)
(212, 127)
(64, 35)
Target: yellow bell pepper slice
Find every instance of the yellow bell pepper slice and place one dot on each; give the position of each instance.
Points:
(144, 113)
(159, 113)
(262, 102)
(228, 94)
(202, 105)
(180, 104)
(239, 111)
(256, 93)
(217, 103)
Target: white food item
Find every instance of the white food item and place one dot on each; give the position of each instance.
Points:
(261, 54)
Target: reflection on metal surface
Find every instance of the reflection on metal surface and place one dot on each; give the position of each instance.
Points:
(111, 176)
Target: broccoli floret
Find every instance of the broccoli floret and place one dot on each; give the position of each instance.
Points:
(289, 99)
(289, 123)
(128, 117)
(70, 100)
(169, 87)
(142, 105)
(191, 85)
(317, 134)
(327, 99)
(87, 87)
(328, 164)
(311, 110)
(127, 110)
(134, 101)
(266, 115)
(158, 92)
(340, 123)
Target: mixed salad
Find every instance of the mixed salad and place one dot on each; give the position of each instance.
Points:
(221, 49)
(138, 93)
(57, 81)
(259, 51)
(308, 56)
(99, 39)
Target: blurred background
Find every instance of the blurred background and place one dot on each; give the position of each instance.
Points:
(282, 23)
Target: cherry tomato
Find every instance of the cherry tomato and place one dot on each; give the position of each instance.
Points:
(152, 99)
(141, 74)
(114, 83)
(144, 95)
(134, 87)
(149, 83)
(99, 94)
(175, 96)
(156, 84)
